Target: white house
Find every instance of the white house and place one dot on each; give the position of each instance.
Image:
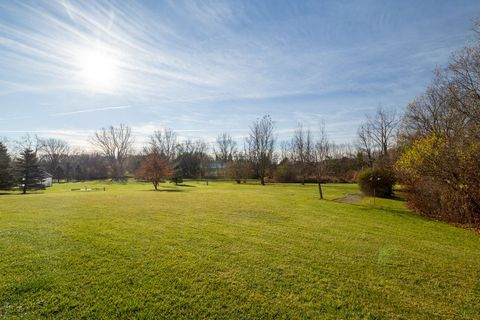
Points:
(47, 179)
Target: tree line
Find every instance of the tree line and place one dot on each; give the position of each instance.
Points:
(309, 156)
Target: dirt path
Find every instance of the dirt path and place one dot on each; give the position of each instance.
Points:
(350, 198)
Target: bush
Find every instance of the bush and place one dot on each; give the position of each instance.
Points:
(441, 178)
(377, 182)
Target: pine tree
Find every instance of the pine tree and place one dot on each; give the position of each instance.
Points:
(177, 173)
(6, 173)
(29, 174)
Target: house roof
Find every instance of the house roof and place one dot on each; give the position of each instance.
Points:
(46, 174)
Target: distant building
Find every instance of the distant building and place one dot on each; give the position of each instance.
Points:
(216, 168)
(47, 180)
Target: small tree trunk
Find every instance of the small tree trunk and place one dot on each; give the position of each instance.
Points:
(155, 184)
(262, 180)
(320, 189)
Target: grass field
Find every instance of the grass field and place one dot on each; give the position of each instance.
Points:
(229, 251)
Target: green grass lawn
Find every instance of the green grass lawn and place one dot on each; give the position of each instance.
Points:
(229, 251)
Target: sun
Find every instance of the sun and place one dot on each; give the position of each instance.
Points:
(98, 68)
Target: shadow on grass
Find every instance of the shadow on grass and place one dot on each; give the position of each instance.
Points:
(355, 199)
(165, 190)
(19, 193)
(388, 209)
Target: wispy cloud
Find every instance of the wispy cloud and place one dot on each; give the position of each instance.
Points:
(216, 60)
(208, 66)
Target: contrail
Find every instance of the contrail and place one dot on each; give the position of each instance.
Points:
(59, 114)
(88, 111)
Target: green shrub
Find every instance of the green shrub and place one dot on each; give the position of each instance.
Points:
(377, 182)
(176, 179)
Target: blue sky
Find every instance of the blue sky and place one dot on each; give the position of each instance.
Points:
(201, 68)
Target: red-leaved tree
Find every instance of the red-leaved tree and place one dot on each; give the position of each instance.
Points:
(154, 168)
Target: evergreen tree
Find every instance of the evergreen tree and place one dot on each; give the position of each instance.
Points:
(6, 174)
(177, 174)
(29, 174)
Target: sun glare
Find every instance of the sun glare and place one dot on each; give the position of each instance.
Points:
(98, 69)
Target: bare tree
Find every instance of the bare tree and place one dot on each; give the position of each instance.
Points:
(115, 143)
(302, 149)
(260, 145)
(27, 142)
(163, 143)
(321, 154)
(204, 158)
(463, 77)
(54, 153)
(86, 166)
(382, 129)
(239, 168)
(192, 158)
(226, 148)
(365, 143)
(432, 112)
(285, 150)
(342, 150)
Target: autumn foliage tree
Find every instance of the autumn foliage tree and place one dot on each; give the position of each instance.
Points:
(154, 168)
(440, 163)
(441, 175)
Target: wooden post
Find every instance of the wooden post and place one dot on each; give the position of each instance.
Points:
(320, 190)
